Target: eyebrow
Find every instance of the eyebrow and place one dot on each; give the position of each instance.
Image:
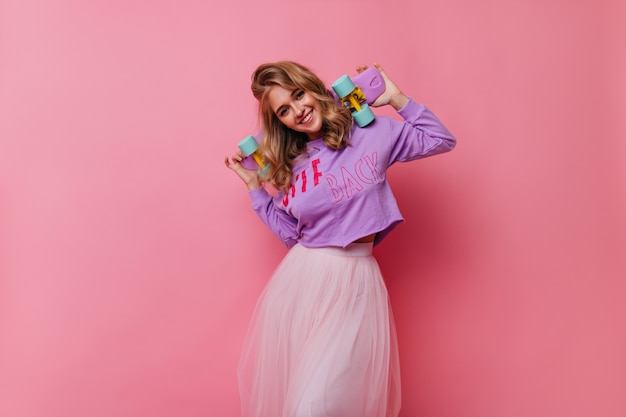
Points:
(293, 93)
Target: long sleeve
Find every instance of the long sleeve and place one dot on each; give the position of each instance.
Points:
(277, 220)
(421, 134)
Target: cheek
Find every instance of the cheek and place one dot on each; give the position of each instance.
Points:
(287, 121)
(319, 108)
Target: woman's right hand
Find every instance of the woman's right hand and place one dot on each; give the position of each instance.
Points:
(250, 178)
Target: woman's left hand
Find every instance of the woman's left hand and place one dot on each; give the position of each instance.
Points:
(392, 94)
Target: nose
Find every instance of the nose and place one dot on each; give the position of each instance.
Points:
(299, 109)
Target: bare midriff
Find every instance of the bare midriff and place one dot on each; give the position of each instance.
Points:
(366, 239)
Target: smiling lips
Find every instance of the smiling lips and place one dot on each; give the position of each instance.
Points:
(307, 118)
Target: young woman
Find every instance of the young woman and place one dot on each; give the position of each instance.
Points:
(322, 341)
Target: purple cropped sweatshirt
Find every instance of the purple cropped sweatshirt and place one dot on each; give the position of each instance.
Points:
(337, 197)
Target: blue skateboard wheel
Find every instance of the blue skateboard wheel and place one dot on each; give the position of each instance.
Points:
(343, 86)
(363, 117)
(248, 145)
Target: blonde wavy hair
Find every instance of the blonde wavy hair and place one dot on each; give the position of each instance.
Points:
(281, 145)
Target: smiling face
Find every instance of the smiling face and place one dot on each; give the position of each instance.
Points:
(297, 109)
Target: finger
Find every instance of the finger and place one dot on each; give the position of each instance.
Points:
(378, 67)
(232, 162)
(383, 74)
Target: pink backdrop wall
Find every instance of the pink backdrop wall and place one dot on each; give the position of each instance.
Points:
(130, 260)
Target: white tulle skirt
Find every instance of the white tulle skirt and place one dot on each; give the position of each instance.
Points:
(322, 340)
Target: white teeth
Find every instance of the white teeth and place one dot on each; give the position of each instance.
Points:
(307, 118)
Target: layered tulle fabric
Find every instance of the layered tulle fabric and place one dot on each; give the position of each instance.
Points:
(322, 341)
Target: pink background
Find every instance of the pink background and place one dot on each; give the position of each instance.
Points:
(130, 260)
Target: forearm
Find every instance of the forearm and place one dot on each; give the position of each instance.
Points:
(398, 101)
(278, 221)
(253, 184)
